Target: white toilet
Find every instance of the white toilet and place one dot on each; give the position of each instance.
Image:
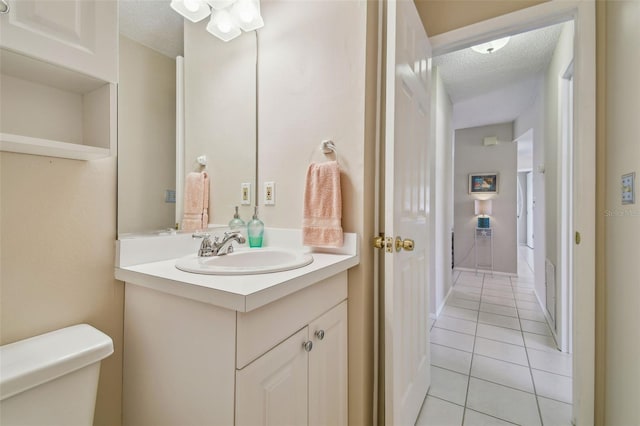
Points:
(52, 379)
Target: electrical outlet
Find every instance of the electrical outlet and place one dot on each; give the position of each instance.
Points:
(628, 188)
(269, 193)
(245, 194)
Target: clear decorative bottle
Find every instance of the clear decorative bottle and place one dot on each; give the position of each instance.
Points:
(237, 224)
(255, 230)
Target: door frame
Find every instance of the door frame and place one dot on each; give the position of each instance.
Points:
(564, 308)
(583, 14)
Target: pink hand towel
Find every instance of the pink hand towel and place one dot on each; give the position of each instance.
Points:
(196, 201)
(321, 226)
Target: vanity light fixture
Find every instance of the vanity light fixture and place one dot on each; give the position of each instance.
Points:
(228, 17)
(491, 46)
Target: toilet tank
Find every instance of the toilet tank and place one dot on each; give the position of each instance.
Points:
(52, 379)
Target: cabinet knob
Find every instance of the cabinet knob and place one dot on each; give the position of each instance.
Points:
(308, 345)
(320, 334)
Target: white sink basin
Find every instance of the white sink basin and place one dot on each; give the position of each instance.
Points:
(246, 262)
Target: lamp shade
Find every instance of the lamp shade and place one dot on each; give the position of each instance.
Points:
(247, 14)
(219, 4)
(193, 10)
(223, 26)
(482, 207)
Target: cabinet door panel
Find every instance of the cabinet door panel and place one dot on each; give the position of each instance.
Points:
(328, 372)
(78, 34)
(272, 390)
(265, 327)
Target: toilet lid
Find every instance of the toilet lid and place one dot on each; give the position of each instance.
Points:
(31, 362)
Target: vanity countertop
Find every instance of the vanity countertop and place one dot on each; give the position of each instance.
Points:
(241, 293)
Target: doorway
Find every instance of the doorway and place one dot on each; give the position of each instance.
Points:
(584, 50)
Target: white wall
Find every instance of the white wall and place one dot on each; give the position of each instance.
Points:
(314, 84)
(522, 207)
(58, 227)
(146, 136)
(441, 192)
(543, 117)
(622, 222)
(533, 118)
(562, 57)
(311, 88)
(471, 156)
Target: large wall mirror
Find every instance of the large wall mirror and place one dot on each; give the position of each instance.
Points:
(218, 100)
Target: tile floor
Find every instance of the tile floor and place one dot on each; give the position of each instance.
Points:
(493, 359)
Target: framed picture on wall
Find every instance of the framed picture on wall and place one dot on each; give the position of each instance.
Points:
(483, 183)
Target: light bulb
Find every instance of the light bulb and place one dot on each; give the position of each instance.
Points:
(246, 11)
(224, 22)
(193, 10)
(192, 5)
(247, 14)
(223, 26)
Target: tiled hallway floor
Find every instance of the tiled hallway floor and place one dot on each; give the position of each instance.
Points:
(493, 360)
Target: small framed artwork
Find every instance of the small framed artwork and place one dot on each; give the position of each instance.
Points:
(483, 183)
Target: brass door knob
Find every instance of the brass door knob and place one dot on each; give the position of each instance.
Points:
(378, 242)
(406, 244)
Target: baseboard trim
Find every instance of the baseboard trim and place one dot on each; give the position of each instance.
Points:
(486, 271)
(444, 302)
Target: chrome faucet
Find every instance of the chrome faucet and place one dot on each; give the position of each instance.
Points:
(210, 248)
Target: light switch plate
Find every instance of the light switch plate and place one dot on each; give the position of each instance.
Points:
(628, 188)
(269, 193)
(245, 194)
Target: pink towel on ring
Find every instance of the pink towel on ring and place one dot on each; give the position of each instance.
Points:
(322, 221)
(196, 201)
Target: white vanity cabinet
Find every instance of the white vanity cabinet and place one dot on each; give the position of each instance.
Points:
(81, 35)
(301, 381)
(190, 362)
(58, 75)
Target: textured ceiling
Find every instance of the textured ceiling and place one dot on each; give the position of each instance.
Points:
(154, 24)
(468, 74)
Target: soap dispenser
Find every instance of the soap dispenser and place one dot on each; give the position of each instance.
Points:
(255, 230)
(237, 224)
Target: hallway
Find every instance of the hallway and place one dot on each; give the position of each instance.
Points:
(493, 359)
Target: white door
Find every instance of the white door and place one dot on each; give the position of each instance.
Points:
(272, 390)
(530, 209)
(328, 372)
(406, 189)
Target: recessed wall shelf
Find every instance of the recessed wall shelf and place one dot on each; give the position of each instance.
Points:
(50, 148)
(55, 111)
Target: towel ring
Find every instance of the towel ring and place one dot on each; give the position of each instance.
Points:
(328, 147)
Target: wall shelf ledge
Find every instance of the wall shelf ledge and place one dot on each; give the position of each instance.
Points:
(51, 148)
